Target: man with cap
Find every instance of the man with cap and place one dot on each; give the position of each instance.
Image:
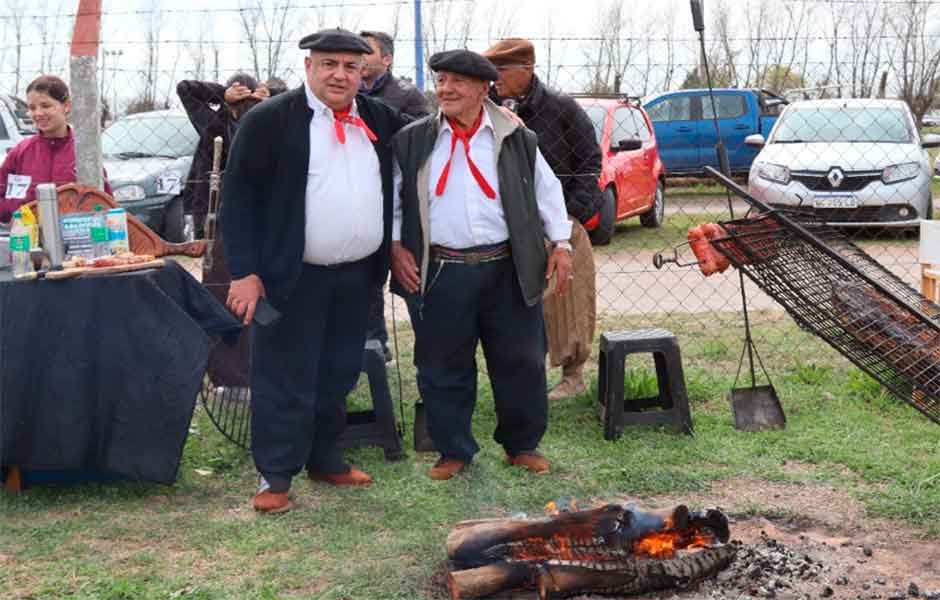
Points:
(470, 259)
(378, 82)
(307, 215)
(566, 138)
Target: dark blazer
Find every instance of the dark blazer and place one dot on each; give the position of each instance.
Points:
(205, 105)
(264, 188)
(401, 95)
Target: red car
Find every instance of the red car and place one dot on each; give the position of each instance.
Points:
(632, 177)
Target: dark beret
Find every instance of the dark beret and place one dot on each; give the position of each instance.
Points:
(464, 62)
(335, 40)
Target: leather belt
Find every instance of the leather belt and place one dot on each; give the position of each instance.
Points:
(471, 256)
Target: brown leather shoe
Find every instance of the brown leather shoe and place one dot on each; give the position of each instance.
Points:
(531, 460)
(446, 468)
(353, 477)
(271, 503)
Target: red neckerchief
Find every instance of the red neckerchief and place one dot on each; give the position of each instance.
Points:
(344, 116)
(464, 136)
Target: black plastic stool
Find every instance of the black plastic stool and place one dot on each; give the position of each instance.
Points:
(376, 427)
(616, 412)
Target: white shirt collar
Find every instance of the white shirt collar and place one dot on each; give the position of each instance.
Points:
(486, 122)
(318, 106)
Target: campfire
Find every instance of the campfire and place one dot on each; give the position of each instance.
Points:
(612, 550)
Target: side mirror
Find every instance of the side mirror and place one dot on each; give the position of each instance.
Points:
(755, 140)
(931, 140)
(627, 145)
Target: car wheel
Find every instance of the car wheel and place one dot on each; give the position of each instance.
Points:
(654, 217)
(601, 234)
(173, 221)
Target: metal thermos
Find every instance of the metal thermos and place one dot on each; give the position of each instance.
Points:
(48, 201)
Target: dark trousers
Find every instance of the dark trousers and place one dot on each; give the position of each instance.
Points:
(376, 329)
(464, 305)
(302, 369)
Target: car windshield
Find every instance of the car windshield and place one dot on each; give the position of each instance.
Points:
(170, 137)
(843, 124)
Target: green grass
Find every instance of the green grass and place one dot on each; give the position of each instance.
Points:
(200, 539)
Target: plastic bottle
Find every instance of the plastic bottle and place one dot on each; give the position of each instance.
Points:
(19, 246)
(99, 233)
(117, 230)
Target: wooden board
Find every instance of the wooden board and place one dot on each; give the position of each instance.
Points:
(80, 271)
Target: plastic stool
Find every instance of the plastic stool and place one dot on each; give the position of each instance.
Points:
(615, 412)
(376, 427)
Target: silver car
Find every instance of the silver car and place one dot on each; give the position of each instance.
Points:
(852, 163)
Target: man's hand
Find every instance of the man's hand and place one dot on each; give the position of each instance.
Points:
(404, 268)
(559, 264)
(236, 93)
(261, 92)
(243, 296)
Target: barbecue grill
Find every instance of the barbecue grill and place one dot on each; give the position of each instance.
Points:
(836, 291)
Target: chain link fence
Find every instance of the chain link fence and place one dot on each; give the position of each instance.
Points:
(824, 106)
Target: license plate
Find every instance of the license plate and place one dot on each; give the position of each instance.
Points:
(847, 201)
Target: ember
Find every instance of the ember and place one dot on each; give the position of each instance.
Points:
(613, 549)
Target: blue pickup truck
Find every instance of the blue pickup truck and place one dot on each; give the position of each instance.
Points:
(685, 131)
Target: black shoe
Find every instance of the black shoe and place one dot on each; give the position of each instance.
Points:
(388, 354)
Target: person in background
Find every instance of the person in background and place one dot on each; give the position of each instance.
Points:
(214, 110)
(48, 156)
(469, 257)
(566, 138)
(275, 86)
(378, 82)
(306, 222)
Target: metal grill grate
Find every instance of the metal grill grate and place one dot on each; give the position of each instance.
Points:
(834, 290)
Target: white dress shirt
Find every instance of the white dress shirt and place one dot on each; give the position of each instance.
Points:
(344, 220)
(463, 217)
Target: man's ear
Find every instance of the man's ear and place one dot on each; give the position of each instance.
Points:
(387, 60)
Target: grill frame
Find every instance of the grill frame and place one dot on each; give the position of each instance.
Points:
(805, 266)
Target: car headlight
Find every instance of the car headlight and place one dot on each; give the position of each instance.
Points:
(772, 172)
(902, 172)
(129, 193)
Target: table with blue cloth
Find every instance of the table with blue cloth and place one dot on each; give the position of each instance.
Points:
(100, 373)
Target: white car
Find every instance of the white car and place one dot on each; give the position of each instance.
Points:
(15, 123)
(852, 163)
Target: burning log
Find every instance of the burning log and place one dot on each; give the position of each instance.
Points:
(608, 548)
(640, 577)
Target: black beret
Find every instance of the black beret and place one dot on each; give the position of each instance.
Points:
(464, 62)
(335, 40)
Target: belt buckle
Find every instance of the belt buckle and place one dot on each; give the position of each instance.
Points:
(472, 258)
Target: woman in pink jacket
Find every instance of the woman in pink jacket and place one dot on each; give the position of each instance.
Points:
(48, 156)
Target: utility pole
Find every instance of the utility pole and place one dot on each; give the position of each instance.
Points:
(86, 107)
(419, 48)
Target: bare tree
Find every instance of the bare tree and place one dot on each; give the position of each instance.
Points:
(549, 34)
(866, 47)
(608, 60)
(917, 55)
(249, 15)
(152, 27)
(47, 29)
(447, 25)
(723, 30)
(502, 23)
(17, 21)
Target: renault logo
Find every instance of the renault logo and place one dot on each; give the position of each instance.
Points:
(835, 177)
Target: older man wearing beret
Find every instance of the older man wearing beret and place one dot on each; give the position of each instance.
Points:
(566, 137)
(307, 199)
(476, 202)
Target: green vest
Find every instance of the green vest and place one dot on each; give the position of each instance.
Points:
(516, 151)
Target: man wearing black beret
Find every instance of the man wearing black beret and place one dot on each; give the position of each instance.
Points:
(470, 259)
(307, 217)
